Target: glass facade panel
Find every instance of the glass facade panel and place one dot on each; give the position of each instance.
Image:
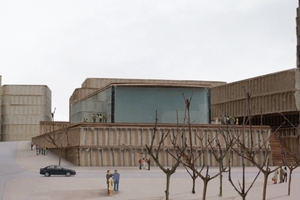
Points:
(100, 103)
(138, 104)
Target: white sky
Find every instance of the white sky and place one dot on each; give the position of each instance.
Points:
(60, 43)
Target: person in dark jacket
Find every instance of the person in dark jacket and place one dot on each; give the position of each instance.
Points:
(148, 162)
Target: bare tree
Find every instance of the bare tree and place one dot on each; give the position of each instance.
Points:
(189, 156)
(285, 153)
(154, 151)
(242, 191)
(249, 152)
(219, 152)
(55, 138)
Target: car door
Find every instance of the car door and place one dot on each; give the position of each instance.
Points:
(51, 169)
(55, 170)
(59, 170)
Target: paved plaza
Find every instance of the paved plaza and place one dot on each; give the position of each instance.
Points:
(20, 180)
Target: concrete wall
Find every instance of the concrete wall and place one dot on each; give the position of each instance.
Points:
(48, 126)
(272, 93)
(93, 144)
(23, 107)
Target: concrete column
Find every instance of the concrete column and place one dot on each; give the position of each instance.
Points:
(134, 157)
(134, 137)
(140, 136)
(85, 160)
(106, 157)
(117, 157)
(147, 136)
(95, 155)
(91, 136)
(123, 137)
(101, 136)
(107, 133)
(100, 157)
(112, 136)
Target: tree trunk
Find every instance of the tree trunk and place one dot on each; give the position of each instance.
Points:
(205, 183)
(290, 181)
(221, 181)
(59, 159)
(266, 175)
(167, 186)
(194, 183)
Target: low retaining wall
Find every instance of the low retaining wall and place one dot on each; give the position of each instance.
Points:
(90, 144)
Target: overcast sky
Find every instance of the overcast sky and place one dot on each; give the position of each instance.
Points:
(61, 43)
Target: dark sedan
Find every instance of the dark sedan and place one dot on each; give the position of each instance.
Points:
(56, 170)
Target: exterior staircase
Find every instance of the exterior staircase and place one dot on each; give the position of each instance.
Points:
(281, 154)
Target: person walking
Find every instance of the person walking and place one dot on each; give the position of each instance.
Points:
(116, 178)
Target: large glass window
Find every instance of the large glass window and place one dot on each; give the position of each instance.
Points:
(99, 103)
(138, 104)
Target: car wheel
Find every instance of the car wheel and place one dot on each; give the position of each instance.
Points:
(68, 174)
(47, 174)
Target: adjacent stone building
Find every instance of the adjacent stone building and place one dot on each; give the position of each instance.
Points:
(22, 109)
(274, 100)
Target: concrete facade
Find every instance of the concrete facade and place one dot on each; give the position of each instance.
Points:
(94, 144)
(275, 101)
(22, 109)
(270, 94)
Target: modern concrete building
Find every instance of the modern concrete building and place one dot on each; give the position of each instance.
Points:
(130, 105)
(22, 109)
(136, 100)
(273, 99)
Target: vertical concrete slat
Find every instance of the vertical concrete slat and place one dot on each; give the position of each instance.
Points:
(117, 157)
(106, 157)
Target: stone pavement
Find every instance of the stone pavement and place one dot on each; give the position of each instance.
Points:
(20, 180)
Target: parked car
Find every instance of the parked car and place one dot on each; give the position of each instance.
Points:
(56, 170)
